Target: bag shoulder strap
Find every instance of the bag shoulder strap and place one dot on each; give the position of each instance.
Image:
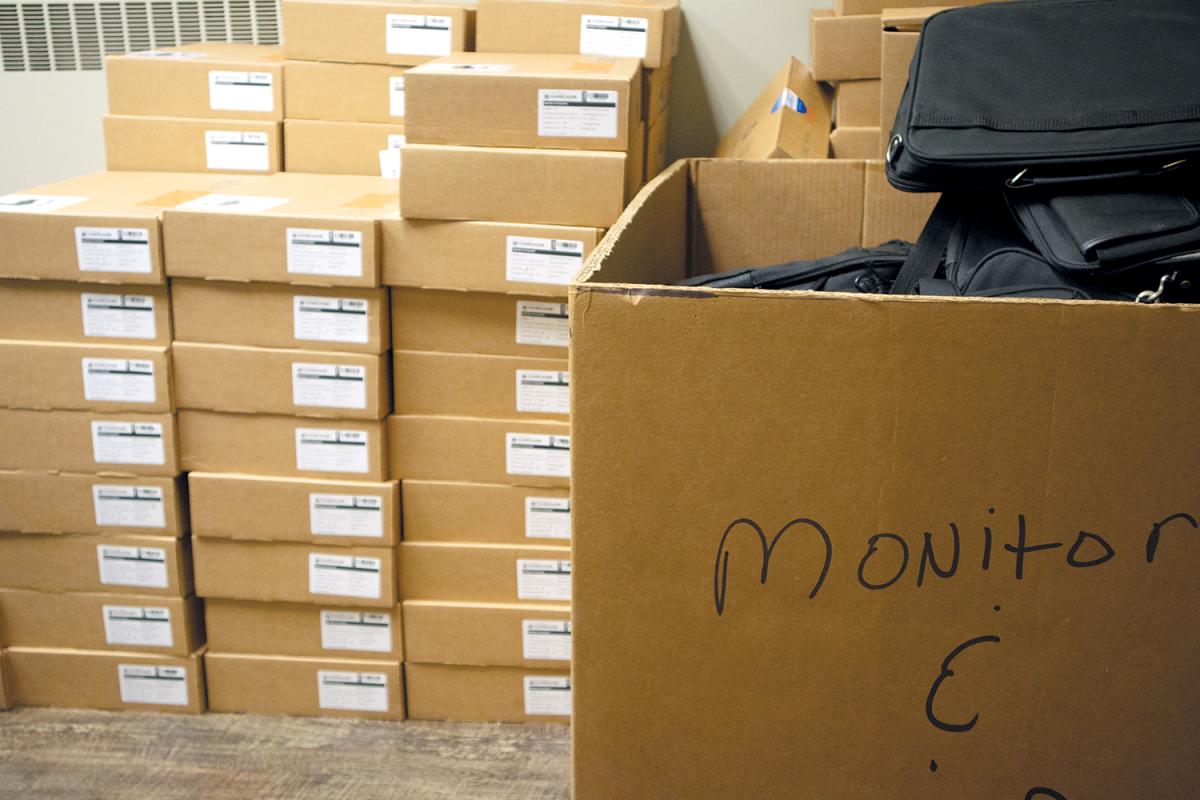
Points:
(927, 252)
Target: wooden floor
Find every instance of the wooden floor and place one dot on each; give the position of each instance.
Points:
(96, 755)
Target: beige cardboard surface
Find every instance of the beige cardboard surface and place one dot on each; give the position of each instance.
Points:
(843, 48)
(855, 143)
(96, 377)
(5, 702)
(471, 385)
(484, 256)
(231, 506)
(282, 446)
(53, 502)
(484, 573)
(655, 160)
(488, 634)
(334, 147)
(481, 694)
(151, 565)
(492, 513)
(856, 103)
(347, 92)
(174, 144)
(265, 314)
(375, 31)
(789, 119)
(214, 80)
(61, 311)
(971, 511)
(890, 213)
(479, 322)
(304, 629)
(89, 441)
(656, 92)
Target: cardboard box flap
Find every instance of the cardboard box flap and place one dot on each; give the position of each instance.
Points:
(790, 118)
(907, 19)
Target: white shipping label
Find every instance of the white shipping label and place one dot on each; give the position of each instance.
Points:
(321, 450)
(329, 386)
(160, 686)
(331, 319)
(118, 316)
(240, 150)
(548, 640)
(352, 691)
(543, 323)
(416, 35)
(37, 203)
(317, 252)
(396, 96)
(613, 36)
(345, 515)
(118, 380)
(389, 163)
(577, 114)
(537, 454)
(129, 506)
(543, 580)
(530, 260)
(344, 576)
(551, 696)
(113, 249)
(132, 566)
(548, 517)
(240, 91)
(240, 204)
(128, 443)
(543, 392)
(354, 630)
(141, 627)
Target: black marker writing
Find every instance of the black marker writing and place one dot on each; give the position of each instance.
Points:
(949, 673)
(1152, 542)
(721, 571)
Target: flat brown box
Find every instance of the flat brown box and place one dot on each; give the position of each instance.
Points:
(64, 502)
(481, 694)
(133, 623)
(103, 313)
(285, 572)
(331, 147)
(514, 184)
(656, 91)
(308, 630)
(150, 565)
(484, 256)
(304, 687)
(492, 513)
(472, 385)
(345, 92)
(175, 144)
(655, 160)
(649, 31)
(89, 441)
(889, 213)
(282, 446)
(855, 143)
(264, 314)
(484, 573)
(487, 634)
(280, 243)
(361, 31)
(843, 48)
(119, 681)
(479, 322)
(789, 119)
(51, 375)
(530, 452)
(289, 509)
(210, 80)
(856, 103)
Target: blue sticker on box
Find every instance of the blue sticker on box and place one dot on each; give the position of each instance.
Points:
(788, 98)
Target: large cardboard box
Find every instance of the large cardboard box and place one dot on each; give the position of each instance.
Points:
(288, 228)
(855, 143)
(456, 511)
(87, 621)
(95, 377)
(264, 314)
(972, 511)
(471, 385)
(649, 32)
(304, 629)
(175, 144)
(484, 573)
(656, 92)
(336, 147)
(5, 700)
(151, 565)
(487, 694)
(293, 510)
(479, 322)
(843, 48)
(346, 92)
(856, 103)
(375, 31)
(889, 213)
(63, 502)
(488, 634)
(655, 160)
(62, 311)
(790, 118)
(89, 441)
(207, 80)
(304, 687)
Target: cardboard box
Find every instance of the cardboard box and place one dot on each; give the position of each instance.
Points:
(525, 100)
(173, 144)
(649, 32)
(484, 256)
(656, 92)
(207, 80)
(375, 31)
(84, 621)
(889, 213)
(269, 380)
(305, 687)
(265, 314)
(471, 385)
(855, 143)
(88, 441)
(484, 573)
(292, 510)
(493, 513)
(479, 322)
(150, 565)
(293, 572)
(526, 452)
(513, 184)
(96, 377)
(1041, 441)
(789, 119)
(655, 160)
(901, 31)
(843, 48)
(304, 629)
(331, 147)
(282, 446)
(487, 694)
(62, 311)
(52, 502)
(856, 103)
(5, 702)
(488, 634)
(287, 228)
(345, 92)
